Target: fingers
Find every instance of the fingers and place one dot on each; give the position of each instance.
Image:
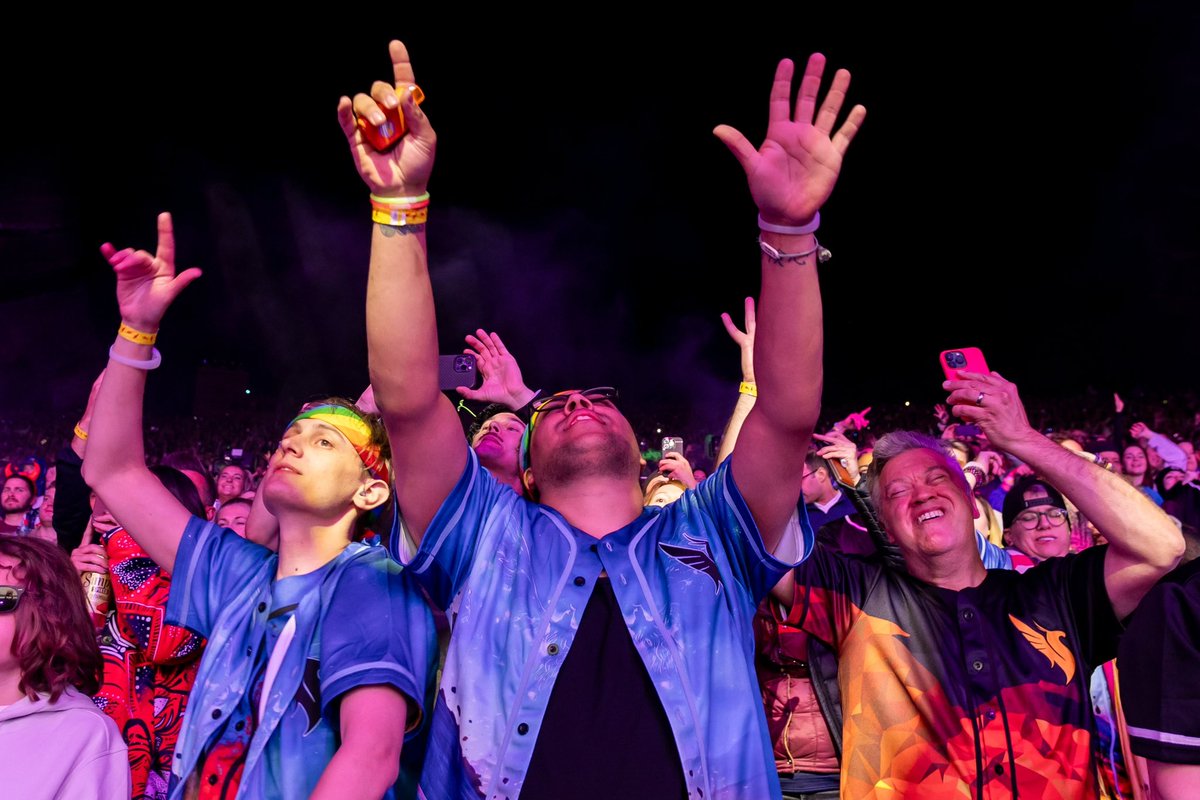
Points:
(183, 280)
(345, 112)
(733, 330)
(402, 71)
(750, 318)
(500, 348)
(834, 98)
(738, 144)
(845, 135)
(488, 342)
(810, 84)
(366, 107)
(166, 239)
(781, 92)
(469, 393)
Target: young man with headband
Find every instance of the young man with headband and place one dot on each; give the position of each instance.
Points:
(316, 658)
(600, 649)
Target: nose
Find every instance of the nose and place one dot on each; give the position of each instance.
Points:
(290, 444)
(576, 401)
(1043, 521)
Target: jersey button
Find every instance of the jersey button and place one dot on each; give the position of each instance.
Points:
(552, 649)
(991, 713)
(241, 725)
(968, 615)
(580, 580)
(216, 713)
(522, 729)
(212, 780)
(593, 548)
(999, 769)
(977, 666)
(262, 607)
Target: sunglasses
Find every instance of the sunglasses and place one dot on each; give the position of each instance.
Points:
(555, 402)
(10, 597)
(1029, 519)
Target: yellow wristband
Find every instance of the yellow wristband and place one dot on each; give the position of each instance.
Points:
(399, 218)
(80, 432)
(136, 336)
(748, 387)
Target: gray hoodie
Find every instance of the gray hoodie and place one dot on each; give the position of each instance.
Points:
(65, 749)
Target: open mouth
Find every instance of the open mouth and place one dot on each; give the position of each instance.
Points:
(928, 515)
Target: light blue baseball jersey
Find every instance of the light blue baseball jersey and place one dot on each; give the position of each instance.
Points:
(359, 622)
(687, 578)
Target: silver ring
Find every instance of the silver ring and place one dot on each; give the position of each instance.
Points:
(979, 400)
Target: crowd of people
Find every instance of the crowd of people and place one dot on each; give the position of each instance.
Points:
(502, 590)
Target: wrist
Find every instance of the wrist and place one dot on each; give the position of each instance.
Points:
(135, 325)
(521, 398)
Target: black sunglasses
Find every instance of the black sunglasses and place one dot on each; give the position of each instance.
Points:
(10, 597)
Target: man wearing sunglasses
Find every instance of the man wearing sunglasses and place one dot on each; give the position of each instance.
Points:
(600, 649)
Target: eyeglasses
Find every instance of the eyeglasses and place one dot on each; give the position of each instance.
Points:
(10, 596)
(1054, 516)
(557, 401)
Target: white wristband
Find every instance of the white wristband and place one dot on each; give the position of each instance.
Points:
(811, 227)
(152, 363)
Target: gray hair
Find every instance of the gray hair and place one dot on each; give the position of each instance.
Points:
(897, 442)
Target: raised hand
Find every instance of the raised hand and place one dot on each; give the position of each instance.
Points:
(744, 339)
(1139, 431)
(840, 449)
(992, 403)
(502, 381)
(677, 468)
(404, 170)
(794, 171)
(942, 415)
(1118, 403)
(147, 284)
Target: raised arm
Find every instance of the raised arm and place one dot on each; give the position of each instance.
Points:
(1143, 543)
(748, 391)
(115, 466)
(790, 177)
(428, 447)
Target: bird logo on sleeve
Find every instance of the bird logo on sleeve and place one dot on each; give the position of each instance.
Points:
(698, 558)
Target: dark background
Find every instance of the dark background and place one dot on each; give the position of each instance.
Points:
(1026, 183)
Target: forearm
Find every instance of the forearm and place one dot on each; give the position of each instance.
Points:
(115, 442)
(357, 771)
(1171, 453)
(741, 410)
(402, 344)
(789, 341)
(1134, 527)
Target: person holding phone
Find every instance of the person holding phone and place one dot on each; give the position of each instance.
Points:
(585, 622)
(967, 681)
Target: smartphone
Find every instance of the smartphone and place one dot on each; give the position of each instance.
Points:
(967, 430)
(457, 370)
(672, 444)
(840, 472)
(965, 358)
(385, 136)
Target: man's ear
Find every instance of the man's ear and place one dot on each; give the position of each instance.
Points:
(529, 483)
(371, 494)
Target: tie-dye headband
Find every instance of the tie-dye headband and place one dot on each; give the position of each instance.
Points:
(357, 432)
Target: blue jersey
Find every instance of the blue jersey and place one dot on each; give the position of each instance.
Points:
(687, 578)
(358, 622)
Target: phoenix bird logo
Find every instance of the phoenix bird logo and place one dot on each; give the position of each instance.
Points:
(698, 558)
(309, 693)
(1049, 643)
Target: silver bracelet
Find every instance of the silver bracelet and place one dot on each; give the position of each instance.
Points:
(789, 230)
(152, 363)
(772, 253)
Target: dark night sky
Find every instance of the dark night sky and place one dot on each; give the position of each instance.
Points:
(1023, 183)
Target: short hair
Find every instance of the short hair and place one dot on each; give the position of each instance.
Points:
(489, 411)
(54, 641)
(369, 521)
(29, 484)
(813, 462)
(235, 501)
(896, 443)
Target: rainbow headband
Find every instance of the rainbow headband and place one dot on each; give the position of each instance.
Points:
(357, 432)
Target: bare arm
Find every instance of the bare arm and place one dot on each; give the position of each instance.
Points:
(115, 467)
(367, 762)
(1143, 544)
(745, 342)
(428, 447)
(790, 177)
